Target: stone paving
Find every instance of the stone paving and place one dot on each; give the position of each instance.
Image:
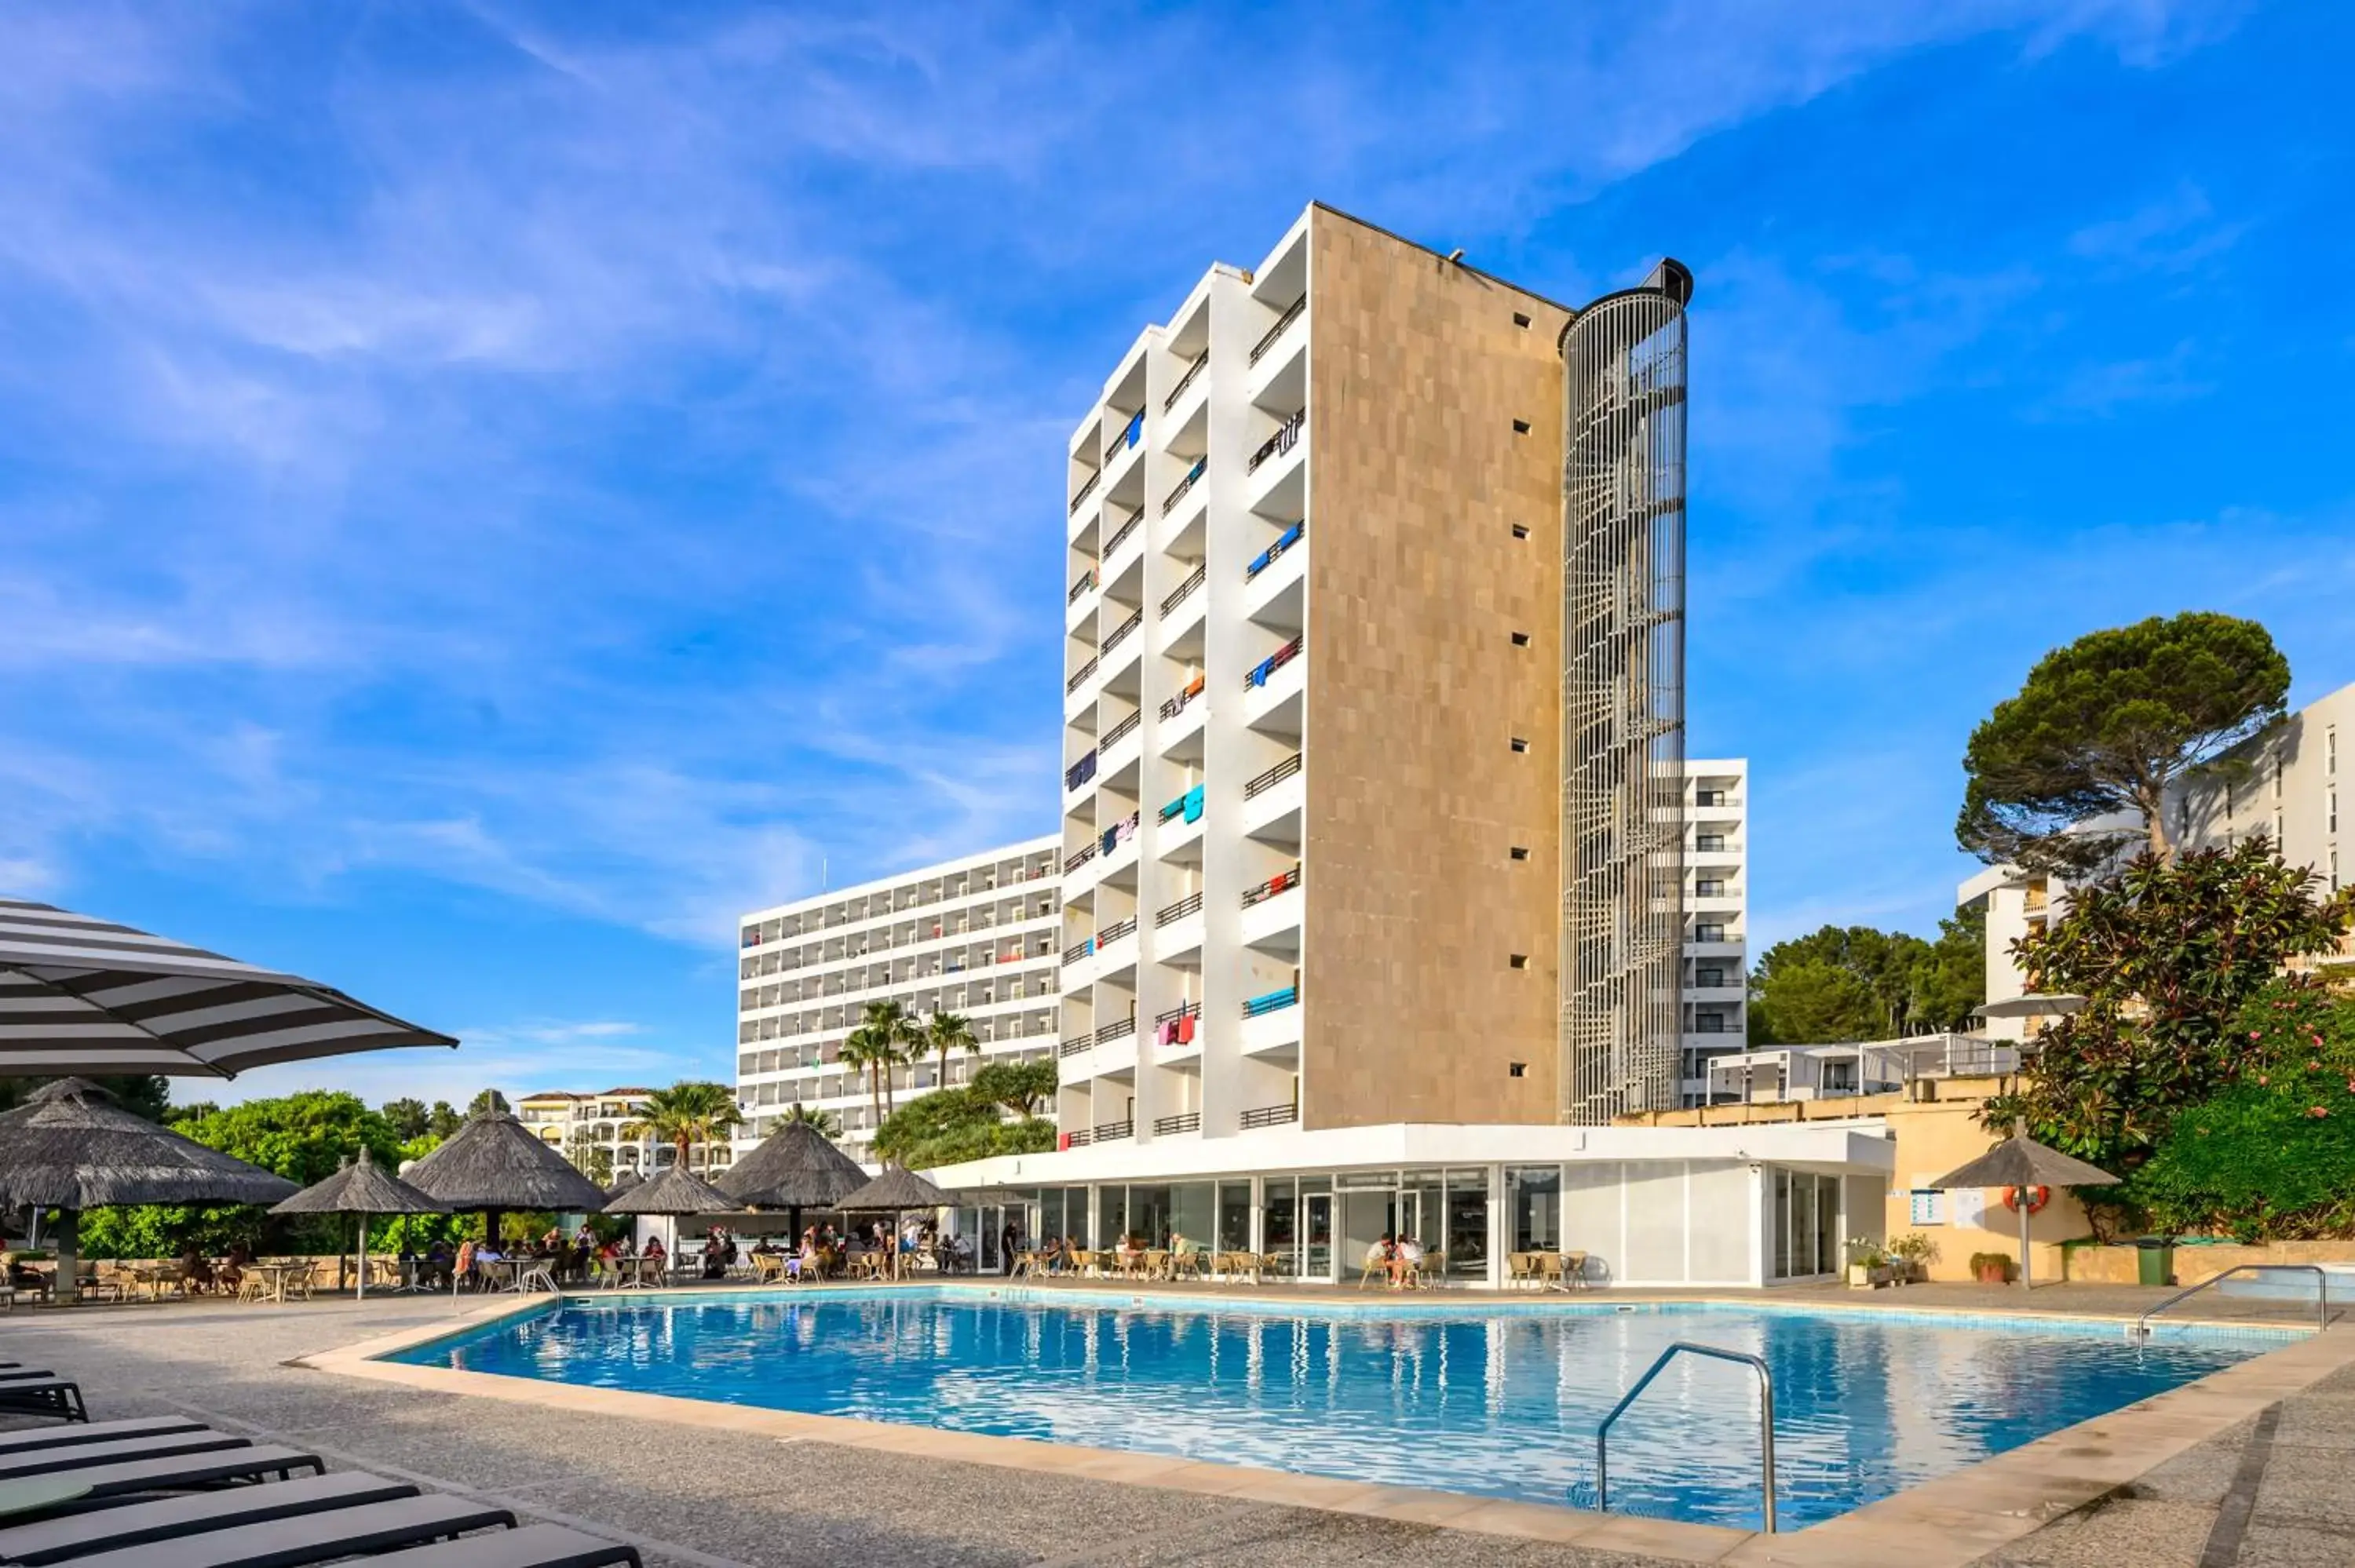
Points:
(2274, 1490)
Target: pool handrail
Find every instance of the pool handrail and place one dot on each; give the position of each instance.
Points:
(2321, 1291)
(1765, 1421)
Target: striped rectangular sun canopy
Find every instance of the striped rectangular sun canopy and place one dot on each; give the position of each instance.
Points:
(86, 996)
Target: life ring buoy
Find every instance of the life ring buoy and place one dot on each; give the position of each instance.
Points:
(2037, 1198)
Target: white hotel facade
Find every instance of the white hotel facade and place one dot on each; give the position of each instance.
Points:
(975, 936)
(1386, 884)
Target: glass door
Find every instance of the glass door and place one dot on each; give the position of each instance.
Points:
(1317, 1236)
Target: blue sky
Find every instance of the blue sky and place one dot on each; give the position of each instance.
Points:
(488, 492)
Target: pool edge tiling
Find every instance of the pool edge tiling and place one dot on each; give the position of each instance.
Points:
(1952, 1520)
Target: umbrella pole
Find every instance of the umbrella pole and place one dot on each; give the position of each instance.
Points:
(362, 1295)
(2025, 1282)
(67, 1238)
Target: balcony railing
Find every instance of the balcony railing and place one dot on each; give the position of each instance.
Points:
(1273, 776)
(1119, 1029)
(1120, 536)
(1121, 731)
(1073, 1047)
(1080, 585)
(1282, 881)
(1079, 772)
(1112, 1132)
(1190, 798)
(1120, 633)
(1185, 381)
(1131, 433)
(1080, 857)
(1272, 1002)
(1287, 436)
(1176, 705)
(1259, 349)
(1189, 905)
(1270, 1116)
(1193, 477)
(1271, 663)
(1177, 595)
(1078, 949)
(1274, 552)
(1079, 1140)
(1079, 676)
(1107, 935)
(1186, 1121)
(1085, 490)
(1179, 1013)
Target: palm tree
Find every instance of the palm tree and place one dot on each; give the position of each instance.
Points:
(871, 1051)
(823, 1122)
(898, 1034)
(686, 1114)
(946, 1032)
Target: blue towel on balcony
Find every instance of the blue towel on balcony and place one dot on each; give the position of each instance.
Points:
(1194, 804)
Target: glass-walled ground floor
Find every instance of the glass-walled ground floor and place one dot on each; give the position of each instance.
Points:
(1608, 1222)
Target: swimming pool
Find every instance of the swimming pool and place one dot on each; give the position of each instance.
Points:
(1493, 1399)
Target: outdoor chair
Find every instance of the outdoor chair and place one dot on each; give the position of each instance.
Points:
(42, 1393)
(176, 1519)
(539, 1546)
(207, 1467)
(1156, 1264)
(1428, 1270)
(1574, 1270)
(92, 1432)
(18, 1464)
(368, 1527)
(1521, 1268)
(1375, 1271)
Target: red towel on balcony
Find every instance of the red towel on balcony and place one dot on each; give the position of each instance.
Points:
(1185, 1029)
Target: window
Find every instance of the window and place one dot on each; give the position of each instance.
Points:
(1710, 843)
(2278, 777)
(1519, 320)
(1519, 961)
(1708, 979)
(1519, 531)
(1520, 640)
(1520, 851)
(1709, 931)
(1519, 743)
(2330, 751)
(1708, 798)
(1517, 1069)
(1521, 427)
(2331, 811)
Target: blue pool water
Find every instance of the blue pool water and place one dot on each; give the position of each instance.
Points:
(1498, 1399)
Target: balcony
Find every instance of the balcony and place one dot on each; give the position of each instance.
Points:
(1085, 854)
(1073, 1047)
(1272, 1002)
(1109, 1132)
(1119, 1029)
(1080, 585)
(1189, 805)
(1178, 595)
(1184, 699)
(1193, 477)
(1185, 1121)
(1130, 435)
(1107, 935)
(1186, 381)
(1121, 535)
(1079, 774)
(1122, 632)
(1275, 552)
(1083, 948)
(1120, 731)
(1287, 436)
(1271, 779)
(1269, 1116)
(1277, 660)
(1079, 676)
(1291, 314)
(1086, 490)
(1171, 913)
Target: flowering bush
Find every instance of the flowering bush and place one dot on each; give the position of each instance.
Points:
(2271, 1157)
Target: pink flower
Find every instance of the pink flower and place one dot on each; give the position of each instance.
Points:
(2262, 1079)
(2318, 1111)
(2256, 1034)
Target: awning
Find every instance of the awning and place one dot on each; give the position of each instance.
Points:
(81, 995)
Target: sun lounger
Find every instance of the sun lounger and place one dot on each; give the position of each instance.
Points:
(79, 1456)
(15, 1374)
(95, 1432)
(539, 1546)
(78, 1535)
(44, 1396)
(314, 1538)
(208, 1468)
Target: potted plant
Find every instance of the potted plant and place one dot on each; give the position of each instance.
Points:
(1914, 1252)
(1865, 1259)
(1991, 1267)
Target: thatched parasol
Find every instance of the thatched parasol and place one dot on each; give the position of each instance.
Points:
(896, 1190)
(673, 1191)
(2020, 1161)
(493, 1163)
(69, 1147)
(796, 1168)
(629, 1179)
(79, 995)
(362, 1188)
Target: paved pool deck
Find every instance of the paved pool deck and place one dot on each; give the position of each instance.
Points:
(2248, 1467)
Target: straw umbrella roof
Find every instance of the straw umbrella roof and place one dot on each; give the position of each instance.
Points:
(70, 1147)
(2020, 1161)
(362, 1188)
(492, 1162)
(629, 1179)
(896, 1189)
(79, 994)
(794, 1167)
(673, 1191)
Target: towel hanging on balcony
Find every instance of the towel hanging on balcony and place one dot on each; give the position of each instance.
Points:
(1185, 1029)
(1194, 804)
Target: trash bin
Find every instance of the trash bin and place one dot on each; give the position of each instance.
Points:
(2155, 1261)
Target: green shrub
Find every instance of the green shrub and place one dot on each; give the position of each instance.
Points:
(2271, 1157)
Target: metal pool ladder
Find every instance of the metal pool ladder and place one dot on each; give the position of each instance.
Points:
(1765, 1421)
(2321, 1291)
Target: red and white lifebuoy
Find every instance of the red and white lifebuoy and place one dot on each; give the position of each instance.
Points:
(2037, 1198)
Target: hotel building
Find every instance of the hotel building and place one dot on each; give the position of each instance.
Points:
(576, 1125)
(975, 936)
(1386, 882)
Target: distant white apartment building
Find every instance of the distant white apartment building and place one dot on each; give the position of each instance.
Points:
(1715, 981)
(2287, 787)
(576, 1124)
(975, 936)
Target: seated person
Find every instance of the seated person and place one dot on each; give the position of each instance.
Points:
(196, 1270)
(1404, 1257)
(654, 1249)
(231, 1272)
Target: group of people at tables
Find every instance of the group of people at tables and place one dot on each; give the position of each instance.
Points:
(824, 1251)
(1064, 1255)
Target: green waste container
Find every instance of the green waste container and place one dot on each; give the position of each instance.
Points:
(2155, 1261)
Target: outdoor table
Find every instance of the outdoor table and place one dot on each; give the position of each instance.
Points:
(39, 1492)
(276, 1274)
